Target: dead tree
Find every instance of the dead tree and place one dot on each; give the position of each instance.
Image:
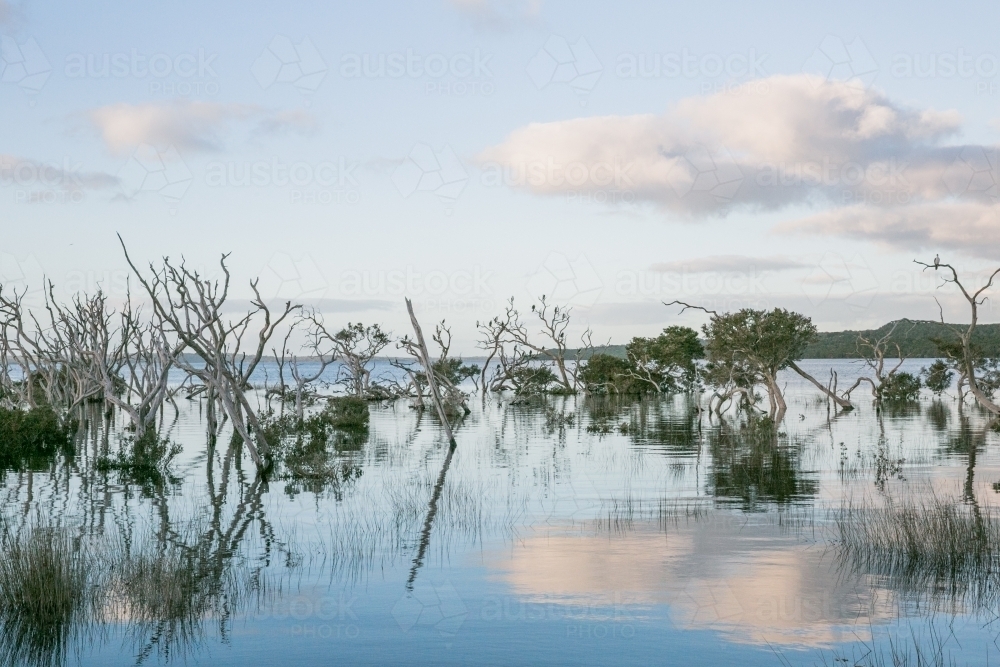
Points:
(509, 339)
(873, 351)
(420, 349)
(189, 307)
(319, 350)
(974, 299)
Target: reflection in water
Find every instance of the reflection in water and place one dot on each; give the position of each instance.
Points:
(753, 463)
(647, 512)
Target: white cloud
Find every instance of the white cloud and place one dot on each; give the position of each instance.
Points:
(67, 175)
(187, 125)
(498, 15)
(785, 140)
(968, 227)
(729, 264)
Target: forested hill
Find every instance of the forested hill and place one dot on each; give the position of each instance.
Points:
(914, 340)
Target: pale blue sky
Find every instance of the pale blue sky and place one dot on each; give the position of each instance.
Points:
(338, 237)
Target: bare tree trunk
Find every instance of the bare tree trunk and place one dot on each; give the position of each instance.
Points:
(842, 402)
(429, 371)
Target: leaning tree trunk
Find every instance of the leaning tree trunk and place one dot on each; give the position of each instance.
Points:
(842, 402)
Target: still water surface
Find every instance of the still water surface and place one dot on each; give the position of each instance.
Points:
(568, 532)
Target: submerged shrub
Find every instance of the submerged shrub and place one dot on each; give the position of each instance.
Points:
(899, 388)
(347, 412)
(937, 377)
(31, 438)
(144, 460)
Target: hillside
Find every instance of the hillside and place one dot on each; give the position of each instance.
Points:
(914, 339)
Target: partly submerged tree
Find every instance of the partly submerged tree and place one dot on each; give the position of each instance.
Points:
(665, 364)
(749, 347)
(968, 354)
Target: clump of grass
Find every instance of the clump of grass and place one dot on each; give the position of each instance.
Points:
(925, 544)
(144, 461)
(30, 439)
(46, 595)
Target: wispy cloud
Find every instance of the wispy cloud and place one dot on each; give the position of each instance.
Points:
(967, 227)
(497, 15)
(68, 175)
(729, 264)
(189, 125)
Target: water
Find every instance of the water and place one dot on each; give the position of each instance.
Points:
(573, 531)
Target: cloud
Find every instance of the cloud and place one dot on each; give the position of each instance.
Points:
(498, 15)
(69, 175)
(288, 122)
(778, 141)
(971, 228)
(189, 125)
(729, 264)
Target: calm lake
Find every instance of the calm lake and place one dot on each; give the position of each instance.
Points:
(565, 531)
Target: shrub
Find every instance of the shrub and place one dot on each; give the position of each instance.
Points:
(604, 373)
(347, 412)
(144, 461)
(938, 377)
(900, 387)
(30, 439)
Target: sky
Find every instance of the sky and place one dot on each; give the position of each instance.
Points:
(462, 152)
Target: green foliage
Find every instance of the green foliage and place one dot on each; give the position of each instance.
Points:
(917, 340)
(767, 340)
(667, 362)
(30, 439)
(606, 374)
(346, 412)
(310, 451)
(144, 461)
(899, 387)
(937, 377)
(533, 380)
